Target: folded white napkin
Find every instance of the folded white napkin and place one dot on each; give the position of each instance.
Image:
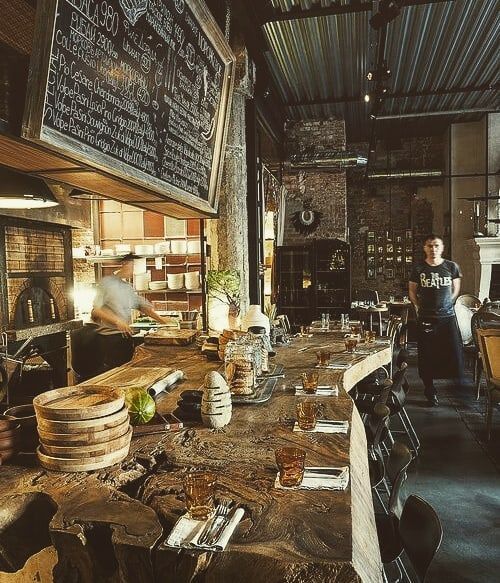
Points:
(340, 427)
(321, 391)
(186, 532)
(320, 481)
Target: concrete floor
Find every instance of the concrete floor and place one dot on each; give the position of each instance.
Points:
(457, 474)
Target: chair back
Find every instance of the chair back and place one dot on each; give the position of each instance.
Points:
(397, 464)
(401, 310)
(489, 345)
(421, 533)
(464, 316)
(366, 295)
(376, 425)
(397, 394)
(468, 300)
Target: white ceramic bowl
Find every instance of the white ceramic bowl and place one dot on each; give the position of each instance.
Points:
(175, 280)
(192, 279)
(163, 247)
(141, 281)
(122, 248)
(108, 252)
(157, 285)
(178, 246)
(144, 249)
(193, 247)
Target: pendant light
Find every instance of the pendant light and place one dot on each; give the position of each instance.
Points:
(21, 191)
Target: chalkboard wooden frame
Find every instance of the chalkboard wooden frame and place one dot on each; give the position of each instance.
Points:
(104, 164)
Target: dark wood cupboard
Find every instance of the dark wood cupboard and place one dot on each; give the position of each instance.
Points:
(314, 278)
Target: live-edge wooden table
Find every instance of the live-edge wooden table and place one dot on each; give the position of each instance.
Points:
(285, 536)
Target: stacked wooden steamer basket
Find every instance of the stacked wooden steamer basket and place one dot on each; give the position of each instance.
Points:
(82, 428)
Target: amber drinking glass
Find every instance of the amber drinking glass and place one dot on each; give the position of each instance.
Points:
(350, 344)
(199, 488)
(371, 335)
(306, 415)
(323, 357)
(290, 462)
(310, 381)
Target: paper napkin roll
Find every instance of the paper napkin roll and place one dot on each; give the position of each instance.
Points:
(166, 382)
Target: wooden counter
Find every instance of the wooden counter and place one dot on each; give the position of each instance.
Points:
(299, 536)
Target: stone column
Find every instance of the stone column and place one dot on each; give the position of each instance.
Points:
(228, 234)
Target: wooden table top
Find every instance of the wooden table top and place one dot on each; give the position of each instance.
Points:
(299, 536)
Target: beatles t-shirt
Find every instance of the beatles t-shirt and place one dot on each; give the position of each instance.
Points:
(434, 288)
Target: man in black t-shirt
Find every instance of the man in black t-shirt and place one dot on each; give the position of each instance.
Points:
(434, 286)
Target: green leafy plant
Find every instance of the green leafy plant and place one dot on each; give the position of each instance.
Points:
(225, 286)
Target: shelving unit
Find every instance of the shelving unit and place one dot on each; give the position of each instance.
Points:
(123, 224)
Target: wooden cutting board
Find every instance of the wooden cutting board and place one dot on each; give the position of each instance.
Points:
(85, 438)
(171, 337)
(83, 452)
(81, 465)
(83, 425)
(136, 376)
(78, 402)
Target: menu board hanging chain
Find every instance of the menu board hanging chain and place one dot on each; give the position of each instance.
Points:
(139, 86)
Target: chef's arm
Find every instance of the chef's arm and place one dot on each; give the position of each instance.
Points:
(148, 310)
(412, 294)
(455, 288)
(106, 315)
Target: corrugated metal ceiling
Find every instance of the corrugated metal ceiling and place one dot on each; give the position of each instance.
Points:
(431, 46)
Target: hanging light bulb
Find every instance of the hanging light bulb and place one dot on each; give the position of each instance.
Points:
(367, 98)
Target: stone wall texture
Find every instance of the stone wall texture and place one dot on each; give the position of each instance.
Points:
(320, 191)
(352, 205)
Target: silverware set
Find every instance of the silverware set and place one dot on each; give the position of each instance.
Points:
(215, 526)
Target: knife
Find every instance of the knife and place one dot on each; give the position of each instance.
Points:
(333, 472)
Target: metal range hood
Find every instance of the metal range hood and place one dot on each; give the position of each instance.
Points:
(21, 191)
(328, 159)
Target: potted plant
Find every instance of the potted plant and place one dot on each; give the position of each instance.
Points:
(223, 288)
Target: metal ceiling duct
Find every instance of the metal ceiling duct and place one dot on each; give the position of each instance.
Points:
(328, 159)
(406, 174)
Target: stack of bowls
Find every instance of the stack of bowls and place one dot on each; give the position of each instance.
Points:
(24, 415)
(10, 436)
(192, 280)
(82, 428)
(175, 280)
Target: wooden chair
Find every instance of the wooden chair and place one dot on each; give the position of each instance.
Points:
(489, 346)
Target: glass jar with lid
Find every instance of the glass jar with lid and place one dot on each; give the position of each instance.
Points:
(240, 366)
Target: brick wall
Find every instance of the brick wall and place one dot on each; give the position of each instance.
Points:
(33, 250)
(322, 191)
(83, 271)
(397, 205)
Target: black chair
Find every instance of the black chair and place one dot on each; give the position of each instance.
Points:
(390, 475)
(376, 428)
(394, 396)
(86, 356)
(418, 532)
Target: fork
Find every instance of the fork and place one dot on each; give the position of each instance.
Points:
(219, 517)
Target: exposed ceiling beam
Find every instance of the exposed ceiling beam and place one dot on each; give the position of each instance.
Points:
(436, 113)
(272, 15)
(398, 94)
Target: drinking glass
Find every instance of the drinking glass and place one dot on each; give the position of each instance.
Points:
(306, 415)
(405, 299)
(290, 462)
(371, 335)
(350, 344)
(391, 299)
(323, 357)
(199, 488)
(310, 381)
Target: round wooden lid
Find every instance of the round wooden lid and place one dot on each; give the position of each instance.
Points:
(88, 437)
(83, 452)
(83, 425)
(97, 462)
(78, 402)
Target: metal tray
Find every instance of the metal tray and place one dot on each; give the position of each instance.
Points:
(263, 391)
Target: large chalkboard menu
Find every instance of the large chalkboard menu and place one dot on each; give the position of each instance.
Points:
(137, 87)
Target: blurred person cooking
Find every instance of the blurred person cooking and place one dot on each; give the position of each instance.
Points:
(113, 303)
(433, 288)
